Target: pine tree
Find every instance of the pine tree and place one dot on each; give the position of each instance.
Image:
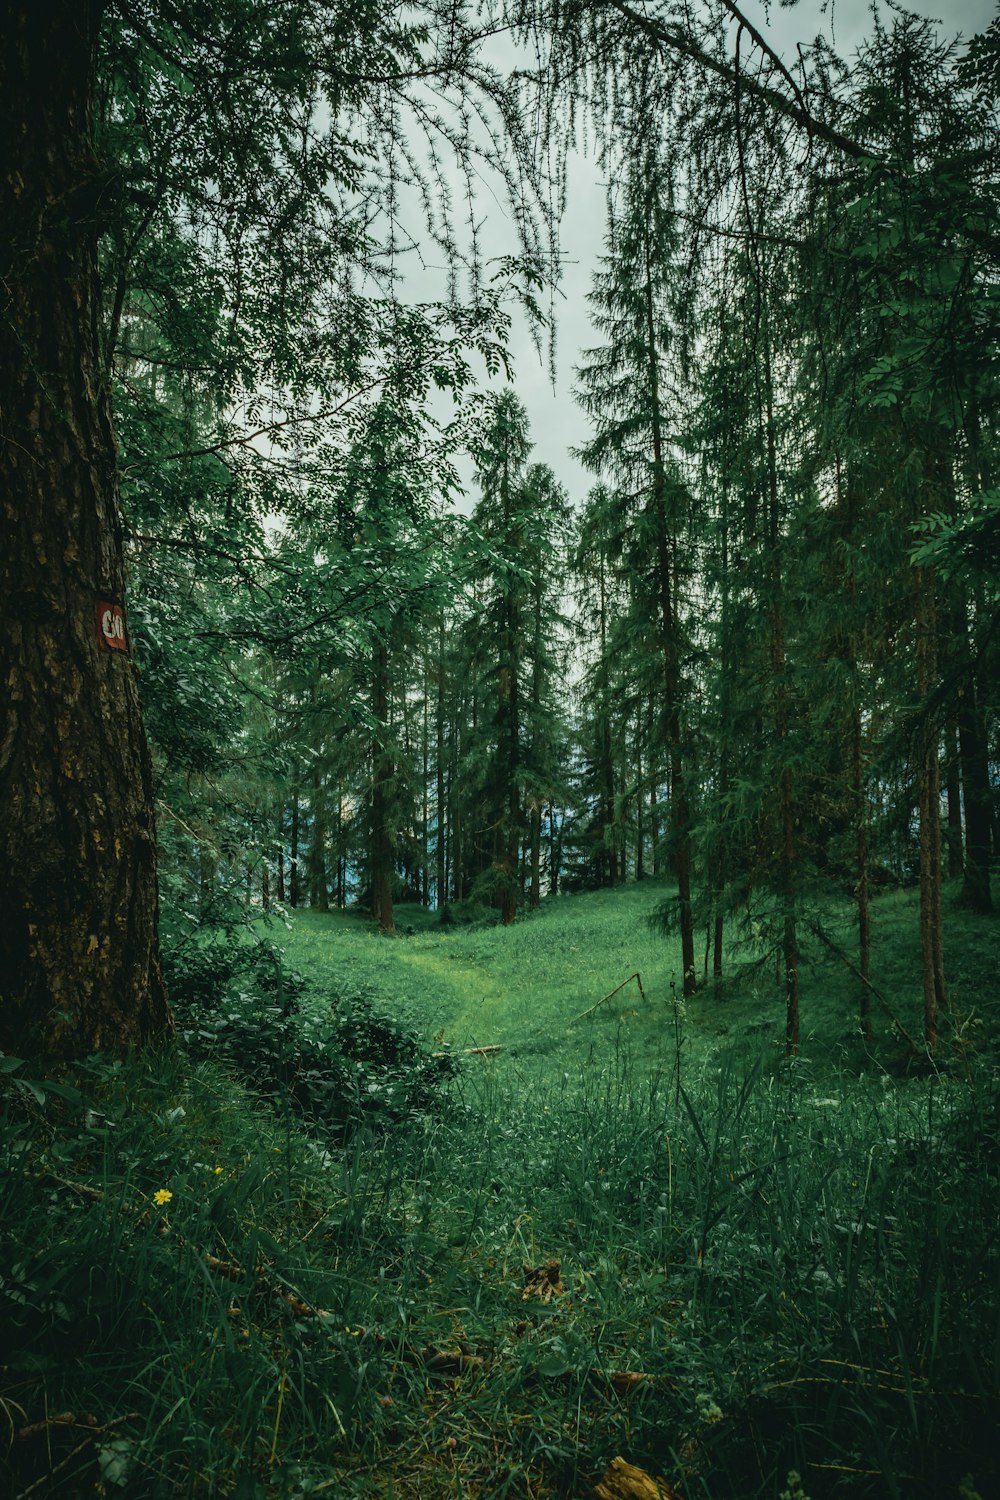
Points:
(625, 388)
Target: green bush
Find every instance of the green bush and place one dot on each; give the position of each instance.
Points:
(238, 1006)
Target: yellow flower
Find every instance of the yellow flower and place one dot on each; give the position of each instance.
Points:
(161, 1196)
(218, 1170)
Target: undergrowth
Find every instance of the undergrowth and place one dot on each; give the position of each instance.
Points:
(724, 1276)
(311, 1251)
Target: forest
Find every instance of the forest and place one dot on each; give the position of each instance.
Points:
(498, 969)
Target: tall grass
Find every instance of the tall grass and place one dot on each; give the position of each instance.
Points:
(758, 1274)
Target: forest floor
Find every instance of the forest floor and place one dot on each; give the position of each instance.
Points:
(636, 1237)
(527, 987)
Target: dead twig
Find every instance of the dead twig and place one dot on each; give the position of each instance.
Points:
(94, 1431)
(608, 996)
(839, 953)
(470, 1051)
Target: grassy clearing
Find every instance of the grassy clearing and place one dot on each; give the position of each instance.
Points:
(524, 986)
(634, 1239)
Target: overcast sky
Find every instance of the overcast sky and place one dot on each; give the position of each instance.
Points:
(557, 424)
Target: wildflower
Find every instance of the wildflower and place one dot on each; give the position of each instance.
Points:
(217, 1172)
(161, 1196)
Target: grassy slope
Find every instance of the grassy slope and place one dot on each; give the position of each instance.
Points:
(758, 1274)
(525, 986)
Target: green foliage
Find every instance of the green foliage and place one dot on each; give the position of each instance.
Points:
(330, 1056)
(801, 1265)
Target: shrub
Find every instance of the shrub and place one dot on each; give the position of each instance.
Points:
(239, 1006)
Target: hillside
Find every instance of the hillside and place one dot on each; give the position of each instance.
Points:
(525, 987)
(332, 1264)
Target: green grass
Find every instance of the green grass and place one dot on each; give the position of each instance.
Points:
(524, 987)
(763, 1267)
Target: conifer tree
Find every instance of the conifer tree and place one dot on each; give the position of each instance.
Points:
(625, 388)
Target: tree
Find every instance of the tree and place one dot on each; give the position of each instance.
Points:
(625, 388)
(79, 957)
(209, 192)
(502, 518)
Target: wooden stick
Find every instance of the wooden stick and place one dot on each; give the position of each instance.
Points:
(867, 983)
(470, 1051)
(617, 987)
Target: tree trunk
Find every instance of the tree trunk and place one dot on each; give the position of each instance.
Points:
(535, 888)
(953, 793)
(319, 895)
(640, 831)
(680, 816)
(382, 774)
(441, 887)
(928, 786)
(554, 857)
(293, 864)
(79, 955)
(978, 802)
(341, 857)
(425, 851)
(861, 892)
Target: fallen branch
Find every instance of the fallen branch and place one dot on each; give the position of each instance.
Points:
(93, 1429)
(617, 987)
(839, 953)
(470, 1051)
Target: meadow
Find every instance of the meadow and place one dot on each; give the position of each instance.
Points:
(639, 1234)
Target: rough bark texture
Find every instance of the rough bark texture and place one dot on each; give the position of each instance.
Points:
(79, 959)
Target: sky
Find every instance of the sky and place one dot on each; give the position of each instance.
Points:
(557, 424)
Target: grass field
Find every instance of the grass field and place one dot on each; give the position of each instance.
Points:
(638, 1235)
(525, 987)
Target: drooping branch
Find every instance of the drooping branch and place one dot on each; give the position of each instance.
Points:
(676, 39)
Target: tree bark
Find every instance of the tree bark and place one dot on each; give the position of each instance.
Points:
(977, 798)
(319, 893)
(953, 793)
(79, 955)
(680, 814)
(293, 863)
(382, 774)
(928, 780)
(441, 887)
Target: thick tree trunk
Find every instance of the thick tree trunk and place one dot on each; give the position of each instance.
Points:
(79, 957)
